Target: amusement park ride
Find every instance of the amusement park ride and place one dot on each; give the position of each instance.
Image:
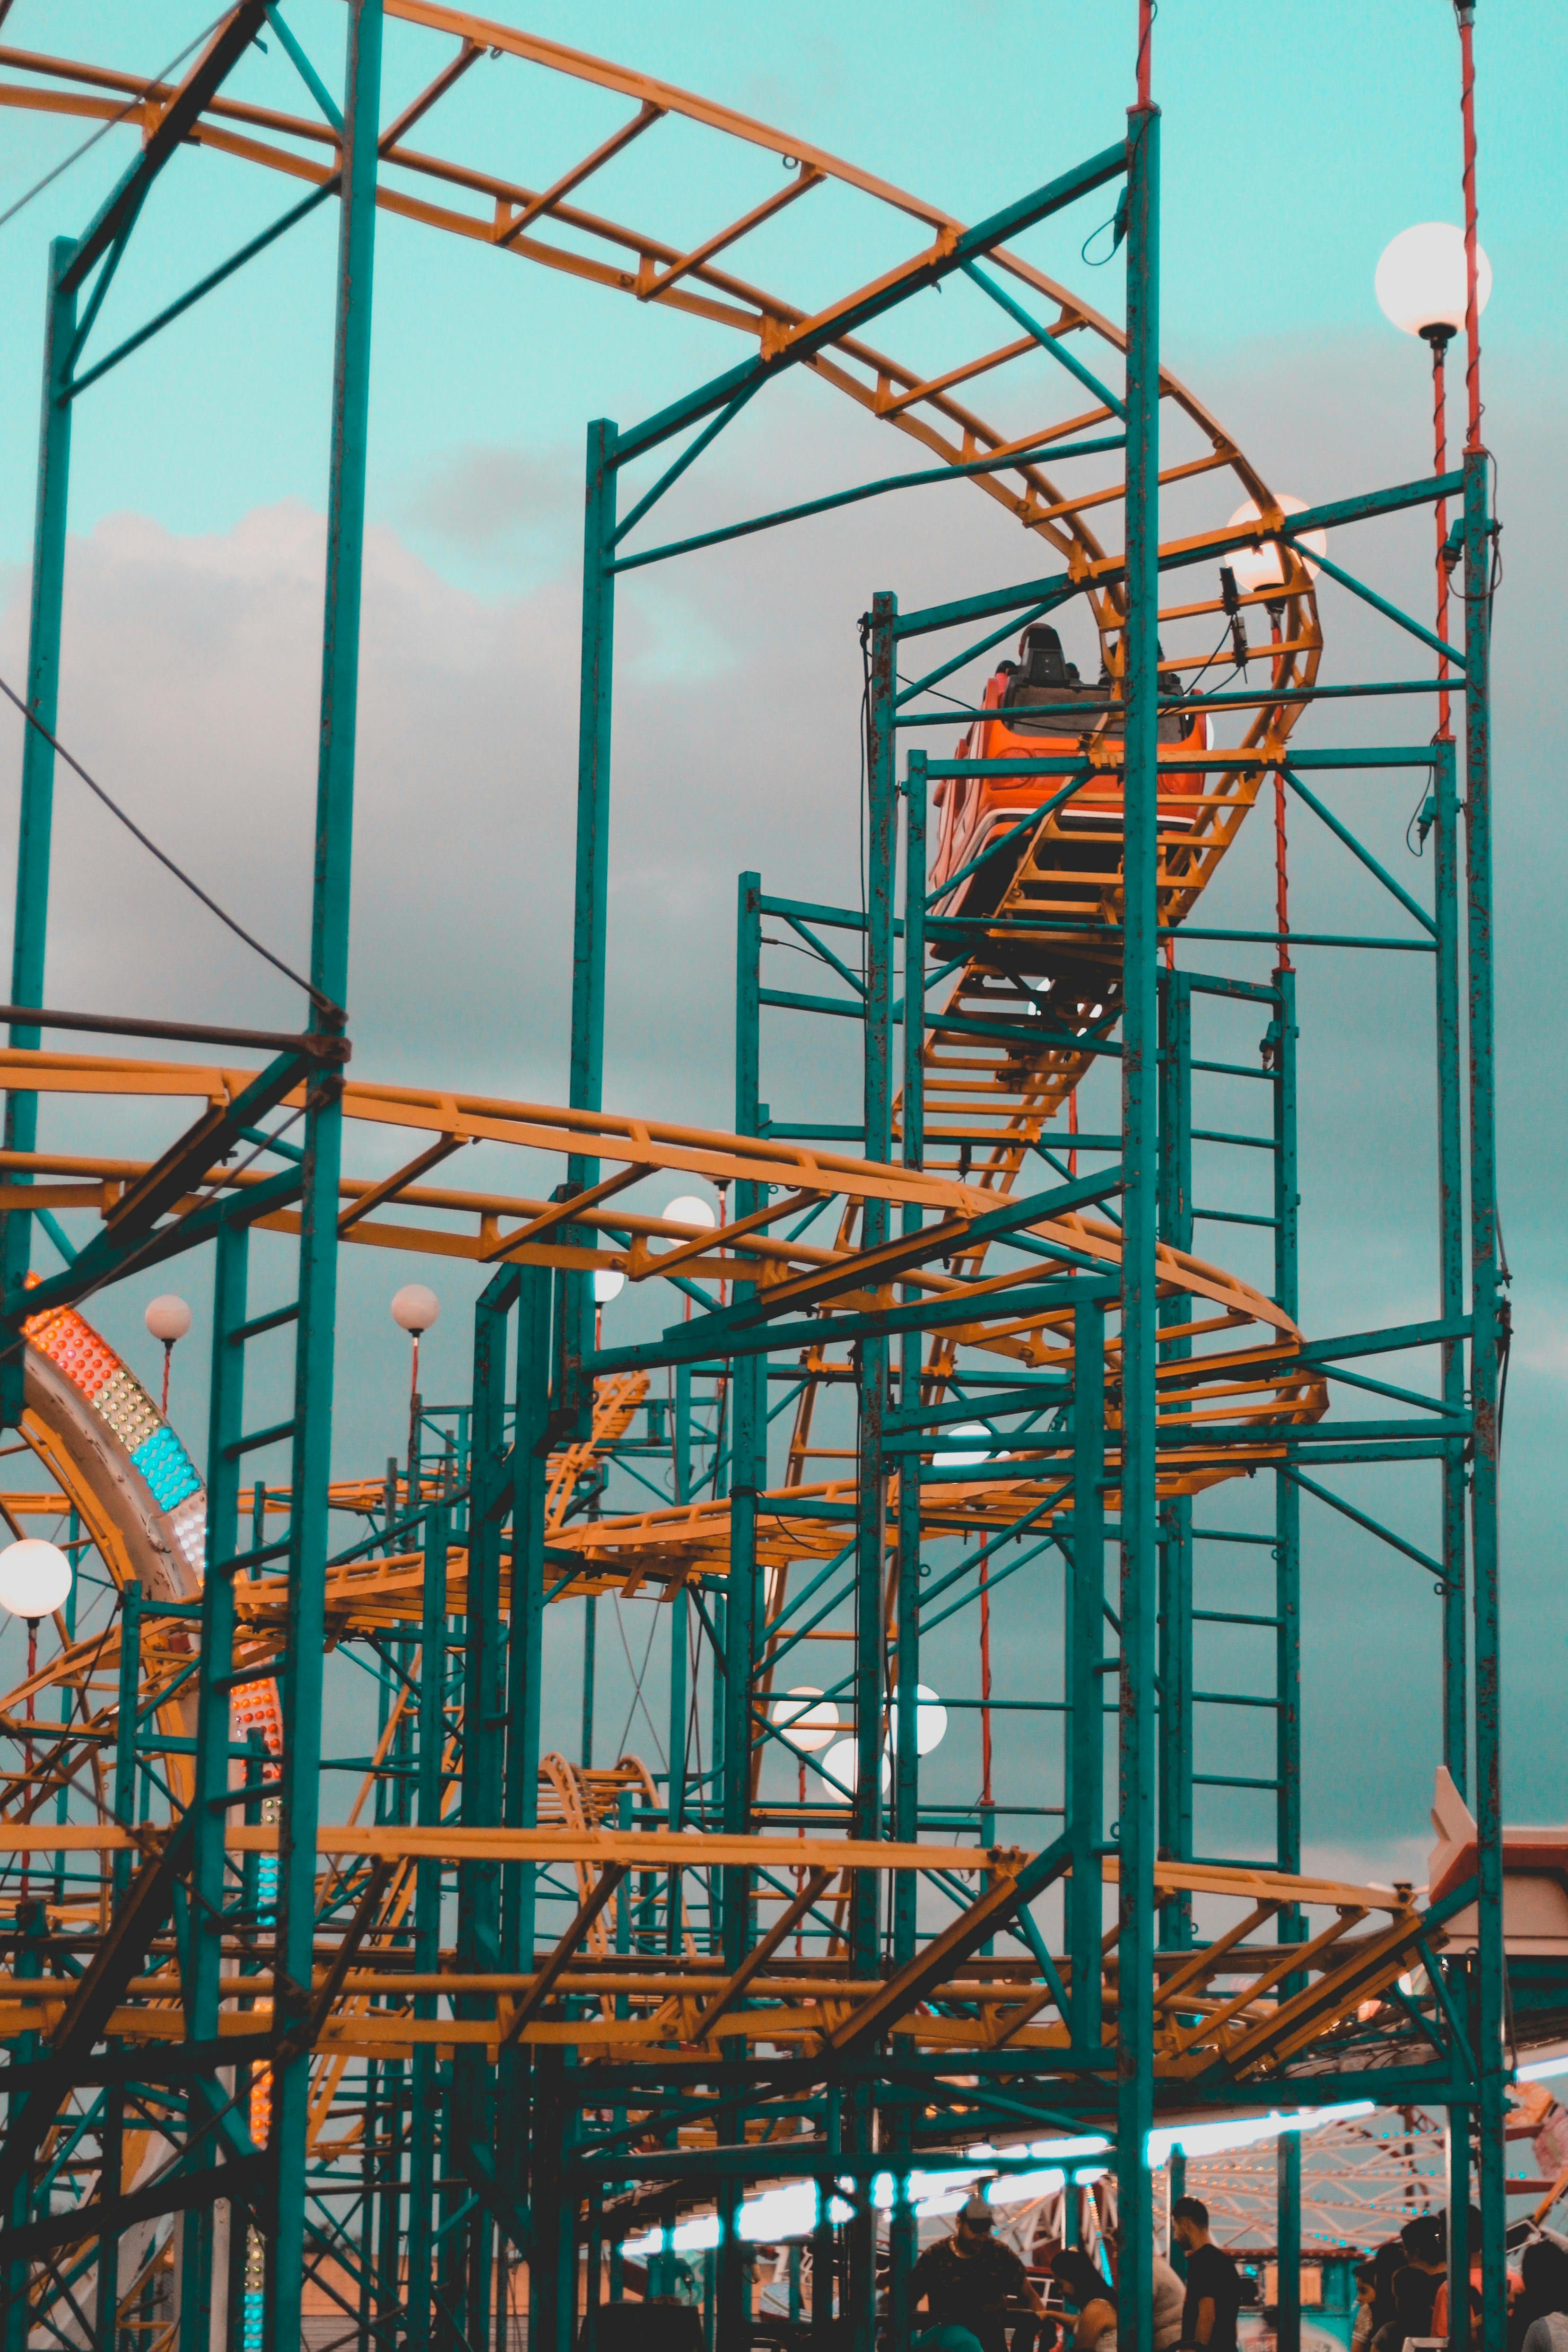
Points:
(434, 2064)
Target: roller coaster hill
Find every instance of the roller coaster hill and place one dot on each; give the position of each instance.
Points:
(467, 2041)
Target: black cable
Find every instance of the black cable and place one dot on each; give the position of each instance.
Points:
(322, 1003)
(114, 121)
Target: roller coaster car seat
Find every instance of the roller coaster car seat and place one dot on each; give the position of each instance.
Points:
(1040, 706)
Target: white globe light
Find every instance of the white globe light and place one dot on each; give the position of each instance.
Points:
(168, 1318)
(686, 1208)
(930, 1720)
(1263, 567)
(810, 1719)
(35, 1578)
(414, 1308)
(842, 1764)
(967, 1429)
(609, 1282)
(1421, 280)
(689, 1210)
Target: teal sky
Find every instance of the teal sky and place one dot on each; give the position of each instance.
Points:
(1298, 140)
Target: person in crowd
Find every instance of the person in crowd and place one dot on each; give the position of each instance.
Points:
(1543, 2305)
(1425, 2242)
(1169, 2293)
(1441, 2302)
(1081, 2281)
(1365, 2289)
(1213, 2282)
(966, 2281)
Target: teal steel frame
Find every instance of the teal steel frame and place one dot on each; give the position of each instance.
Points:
(467, 2174)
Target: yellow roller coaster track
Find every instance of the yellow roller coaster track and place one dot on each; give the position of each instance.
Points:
(986, 1109)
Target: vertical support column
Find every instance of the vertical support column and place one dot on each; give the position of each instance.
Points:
(429, 1761)
(1290, 1926)
(1175, 1641)
(1456, 2155)
(747, 1474)
(903, 2229)
(491, 1489)
(311, 1469)
(1489, 1308)
(211, 1764)
(1085, 1680)
(591, 901)
(865, 1932)
(1450, 1254)
(517, 2086)
(30, 922)
(589, 1675)
(1140, 1162)
(596, 697)
(224, 1427)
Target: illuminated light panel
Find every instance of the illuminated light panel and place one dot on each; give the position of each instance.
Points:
(112, 1389)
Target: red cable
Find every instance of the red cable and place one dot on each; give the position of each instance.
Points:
(1441, 463)
(1472, 310)
(1072, 1129)
(1281, 875)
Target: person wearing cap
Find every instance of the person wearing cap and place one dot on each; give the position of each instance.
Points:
(966, 2281)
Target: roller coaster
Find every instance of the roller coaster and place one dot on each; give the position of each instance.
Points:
(415, 2076)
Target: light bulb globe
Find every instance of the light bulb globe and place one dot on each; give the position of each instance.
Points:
(414, 1308)
(1420, 281)
(1261, 568)
(690, 1209)
(609, 1282)
(930, 1720)
(955, 1457)
(167, 1317)
(35, 1578)
(809, 1721)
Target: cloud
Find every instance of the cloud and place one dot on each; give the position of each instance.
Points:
(191, 681)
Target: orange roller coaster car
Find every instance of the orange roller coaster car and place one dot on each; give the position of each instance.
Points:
(1045, 710)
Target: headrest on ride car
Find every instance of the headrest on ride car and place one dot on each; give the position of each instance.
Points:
(1041, 661)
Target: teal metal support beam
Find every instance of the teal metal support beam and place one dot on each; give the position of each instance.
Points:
(1140, 1168)
(429, 1745)
(1055, 344)
(228, 43)
(862, 490)
(1176, 1627)
(1359, 850)
(30, 921)
(849, 317)
(1058, 586)
(211, 1768)
(1489, 1306)
(1085, 1760)
(595, 711)
(590, 910)
(311, 1465)
(743, 1598)
(898, 2128)
(1446, 860)
(83, 380)
(1291, 1926)
(538, 1292)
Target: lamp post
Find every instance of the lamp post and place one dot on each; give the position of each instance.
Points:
(36, 1578)
(414, 1311)
(1423, 289)
(168, 1318)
